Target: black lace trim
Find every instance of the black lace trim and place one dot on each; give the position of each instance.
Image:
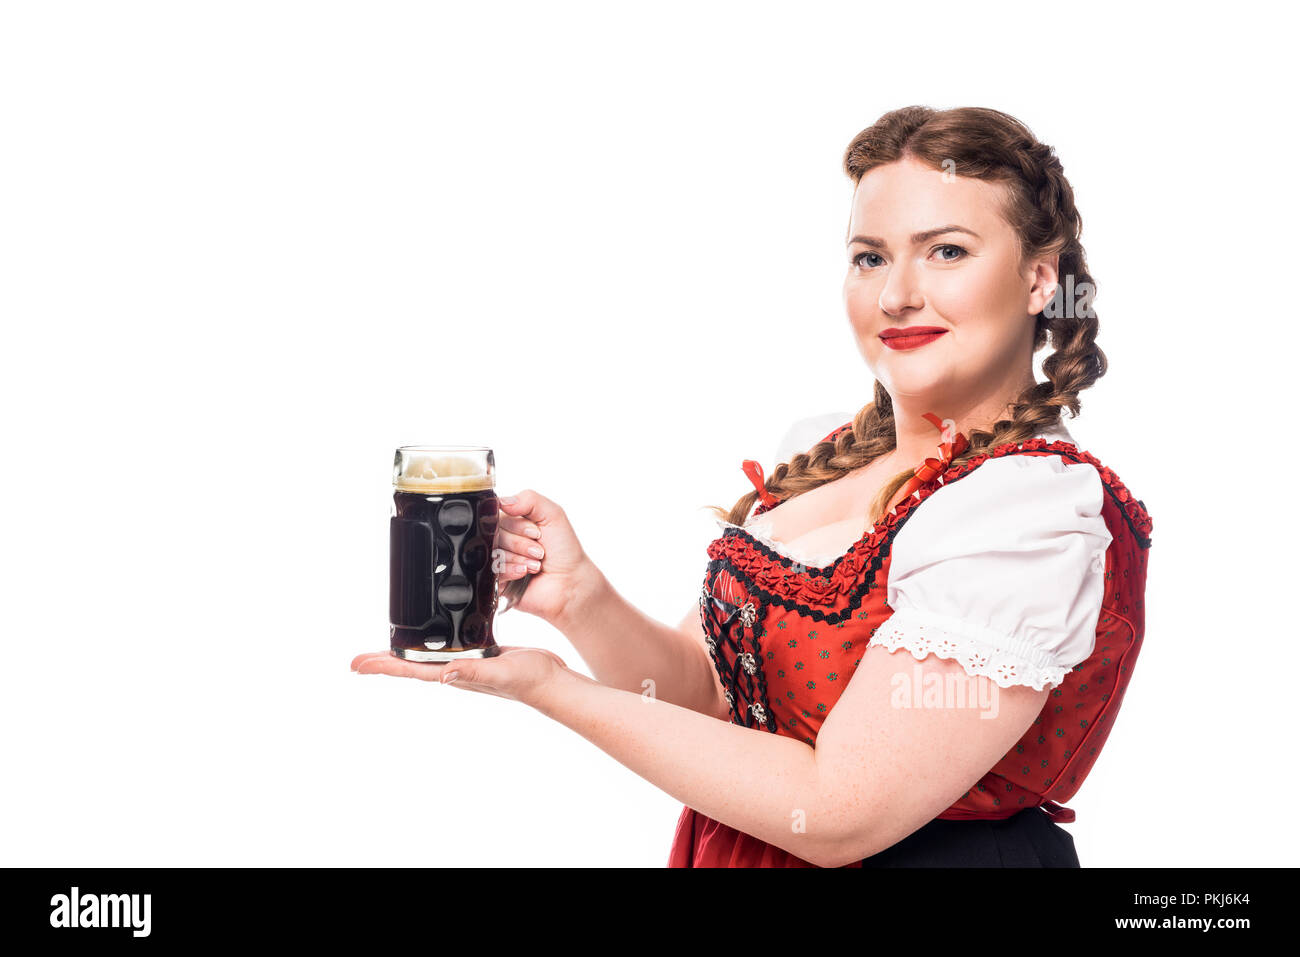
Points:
(855, 596)
(746, 697)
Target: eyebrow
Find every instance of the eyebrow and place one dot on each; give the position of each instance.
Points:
(917, 238)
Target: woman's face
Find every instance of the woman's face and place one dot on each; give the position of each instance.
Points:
(929, 251)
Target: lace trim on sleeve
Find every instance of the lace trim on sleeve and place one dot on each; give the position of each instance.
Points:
(1004, 659)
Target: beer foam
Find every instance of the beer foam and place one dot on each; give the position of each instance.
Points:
(441, 473)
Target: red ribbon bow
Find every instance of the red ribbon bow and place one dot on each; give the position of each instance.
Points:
(930, 469)
(755, 473)
(924, 473)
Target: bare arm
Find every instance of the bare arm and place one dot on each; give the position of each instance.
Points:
(879, 770)
(624, 647)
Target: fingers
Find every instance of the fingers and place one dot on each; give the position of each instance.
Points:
(520, 550)
(517, 552)
(386, 663)
(478, 675)
(531, 506)
(519, 525)
(509, 565)
(519, 545)
(359, 659)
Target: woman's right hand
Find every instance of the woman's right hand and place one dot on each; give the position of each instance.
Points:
(562, 576)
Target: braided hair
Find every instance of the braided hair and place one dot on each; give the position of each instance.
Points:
(989, 145)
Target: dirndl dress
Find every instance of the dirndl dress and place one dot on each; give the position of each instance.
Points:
(1026, 564)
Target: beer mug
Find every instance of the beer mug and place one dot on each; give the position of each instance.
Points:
(441, 578)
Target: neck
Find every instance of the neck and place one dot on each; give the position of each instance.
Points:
(916, 438)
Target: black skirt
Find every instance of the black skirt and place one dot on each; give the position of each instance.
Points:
(1029, 838)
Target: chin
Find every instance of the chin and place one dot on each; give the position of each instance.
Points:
(915, 382)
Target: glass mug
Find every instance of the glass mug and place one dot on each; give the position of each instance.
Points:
(442, 583)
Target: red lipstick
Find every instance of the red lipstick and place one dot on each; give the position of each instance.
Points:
(911, 336)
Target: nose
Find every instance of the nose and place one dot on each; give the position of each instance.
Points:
(901, 290)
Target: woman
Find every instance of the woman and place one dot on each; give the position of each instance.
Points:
(922, 646)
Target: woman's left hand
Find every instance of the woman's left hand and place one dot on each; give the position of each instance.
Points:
(520, 674)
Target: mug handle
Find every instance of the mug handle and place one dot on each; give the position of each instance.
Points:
(514, 591)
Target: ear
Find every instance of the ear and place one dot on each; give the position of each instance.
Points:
(1045, 282)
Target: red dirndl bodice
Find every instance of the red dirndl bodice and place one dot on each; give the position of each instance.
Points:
(760, 609)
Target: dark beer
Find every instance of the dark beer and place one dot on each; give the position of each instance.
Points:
(442, 586)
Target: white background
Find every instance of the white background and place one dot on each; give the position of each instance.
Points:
(246, 249)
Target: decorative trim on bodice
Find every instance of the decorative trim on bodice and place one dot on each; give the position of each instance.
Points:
(762, 532)
(833, 593)
(743, 681)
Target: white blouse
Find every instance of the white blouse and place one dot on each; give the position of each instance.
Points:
(1002, 571)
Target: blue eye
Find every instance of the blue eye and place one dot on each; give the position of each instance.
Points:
(859, 259)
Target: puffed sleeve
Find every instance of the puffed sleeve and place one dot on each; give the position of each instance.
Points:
(1003, 571)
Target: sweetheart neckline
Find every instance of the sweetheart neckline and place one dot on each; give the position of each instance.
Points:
(761, 531)
(750, 531)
